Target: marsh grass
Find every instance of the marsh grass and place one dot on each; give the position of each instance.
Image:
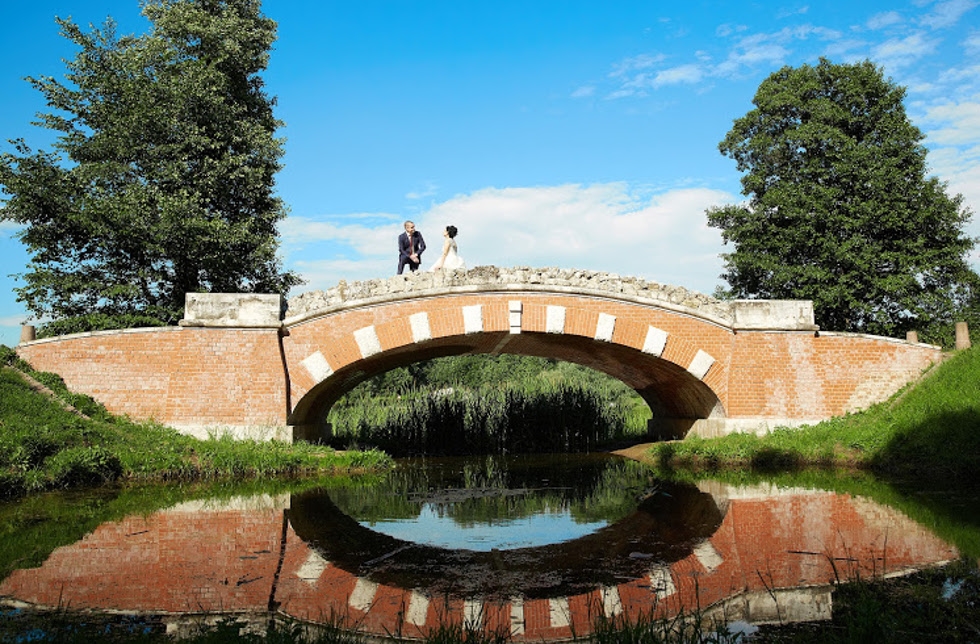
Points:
(933, 605)
(489, 405)
(60, 440)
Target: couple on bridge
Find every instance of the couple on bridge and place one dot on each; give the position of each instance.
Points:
(411, 245)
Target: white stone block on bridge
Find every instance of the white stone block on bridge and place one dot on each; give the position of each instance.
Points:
(421, 331)
(555, 319)
(241, 310)
(790, 315)
(605, 327)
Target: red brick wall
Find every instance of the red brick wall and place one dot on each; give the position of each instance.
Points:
(180, 376)
(194, 376)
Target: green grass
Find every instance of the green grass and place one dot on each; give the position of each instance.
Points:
(45, 446)
(931, 429)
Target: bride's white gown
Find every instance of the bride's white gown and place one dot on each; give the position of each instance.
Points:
(452, 261)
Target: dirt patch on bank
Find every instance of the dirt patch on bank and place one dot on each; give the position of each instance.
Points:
(640, 452)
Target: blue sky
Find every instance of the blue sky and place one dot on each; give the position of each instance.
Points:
(551, 133)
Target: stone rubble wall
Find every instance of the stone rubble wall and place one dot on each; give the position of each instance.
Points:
(494, 278)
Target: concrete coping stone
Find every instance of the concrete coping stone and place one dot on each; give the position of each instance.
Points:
(94, 334)
(869, 336)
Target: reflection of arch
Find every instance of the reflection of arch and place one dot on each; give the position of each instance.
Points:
(676, 361)
(663, 529)
(237, 557)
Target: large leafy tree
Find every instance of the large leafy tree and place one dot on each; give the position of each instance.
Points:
(161, 181)
(840, 208)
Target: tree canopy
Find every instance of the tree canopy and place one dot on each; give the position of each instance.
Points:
(161, 181)
(840, 208)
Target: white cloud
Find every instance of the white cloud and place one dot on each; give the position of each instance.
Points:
(883, 20)
(606, 227)
(429, 190)
(787, 13)
(299, 232)
(584, 91)
(953, 135)
(623, 93)
(959, 123)
(689, 74)
(902, 52)
(728, 29)
(628, 66)
(14, 320)
(961, 170)
(750, 55)
(769, 49)
(321, 274)
(972, 43)
(947, 14)
(846, 50)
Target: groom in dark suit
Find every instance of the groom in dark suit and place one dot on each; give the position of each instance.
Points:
(410, 247)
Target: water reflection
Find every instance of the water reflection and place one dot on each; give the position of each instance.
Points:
(493, 503)
(631, 545)
(634, 520)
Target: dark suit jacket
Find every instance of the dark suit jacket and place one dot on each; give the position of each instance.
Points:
(403, 249)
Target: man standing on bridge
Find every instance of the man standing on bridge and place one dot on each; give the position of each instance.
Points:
(410, 247)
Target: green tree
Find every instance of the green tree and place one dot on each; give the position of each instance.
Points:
(162, 178)
(840, 210)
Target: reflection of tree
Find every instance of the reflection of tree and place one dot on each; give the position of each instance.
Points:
(495, 489)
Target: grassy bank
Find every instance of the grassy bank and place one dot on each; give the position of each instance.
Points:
(54, 438)
(931, 430)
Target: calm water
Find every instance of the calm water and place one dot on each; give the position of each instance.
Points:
(536, 547)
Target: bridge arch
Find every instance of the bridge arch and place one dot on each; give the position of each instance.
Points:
(665, 356)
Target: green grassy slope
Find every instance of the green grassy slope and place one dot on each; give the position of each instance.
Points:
(931, 429)
(44, 444)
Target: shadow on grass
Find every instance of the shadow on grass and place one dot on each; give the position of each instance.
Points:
(942, 448)
(771, 459)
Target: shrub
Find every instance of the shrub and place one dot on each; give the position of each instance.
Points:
(83, 466)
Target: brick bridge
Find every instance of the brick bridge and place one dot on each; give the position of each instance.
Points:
(257, 366)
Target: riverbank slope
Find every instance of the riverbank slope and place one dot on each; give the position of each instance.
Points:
(52, 438)
(929, 430)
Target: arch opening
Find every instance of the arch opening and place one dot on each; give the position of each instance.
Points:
(676, 399)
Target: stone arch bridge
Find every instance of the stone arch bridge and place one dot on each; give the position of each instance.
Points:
(256, 366)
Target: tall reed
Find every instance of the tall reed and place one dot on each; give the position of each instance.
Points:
(534, 416)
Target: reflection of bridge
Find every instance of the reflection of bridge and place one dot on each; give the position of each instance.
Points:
(238, 362)
(773, 558)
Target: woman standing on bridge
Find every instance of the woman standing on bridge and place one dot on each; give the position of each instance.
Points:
(449, 260)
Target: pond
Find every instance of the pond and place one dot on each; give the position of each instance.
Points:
(537, 548)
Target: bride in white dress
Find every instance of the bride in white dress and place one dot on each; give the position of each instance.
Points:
(450, 260)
